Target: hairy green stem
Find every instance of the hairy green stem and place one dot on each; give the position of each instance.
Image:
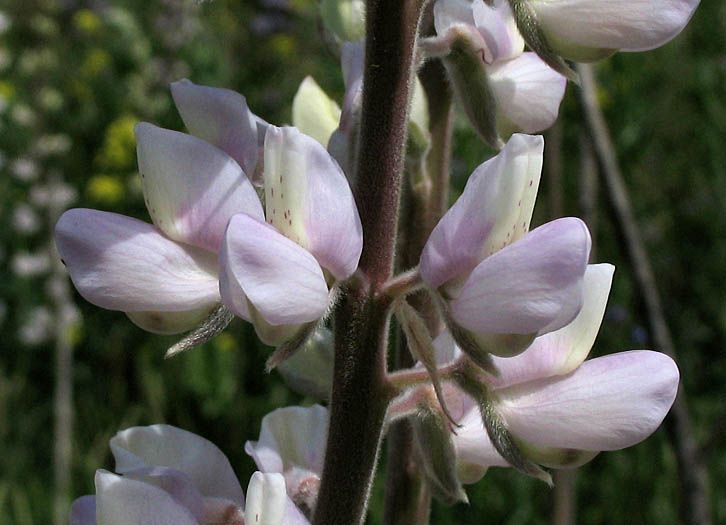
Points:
(406, 378)
(407, 496)
(402, 284)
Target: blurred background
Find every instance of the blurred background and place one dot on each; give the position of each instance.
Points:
(75, 76)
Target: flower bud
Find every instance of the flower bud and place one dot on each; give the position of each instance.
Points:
(344, 18)
(465, 65)
(419, 137)
(310, 371)
(436, 449)
(343, 143)
(314, 112)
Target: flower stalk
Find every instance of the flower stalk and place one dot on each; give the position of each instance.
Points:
(360, 394)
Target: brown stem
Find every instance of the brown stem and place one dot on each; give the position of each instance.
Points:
(693, 473)
(390, 37)
(62, 303)
(553, 168)
(564, 495)
(564, 509)
(360, 394)
(588, 195)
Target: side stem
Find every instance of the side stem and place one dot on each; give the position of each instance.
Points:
(360, 393)
(564, 493)
(407, 500)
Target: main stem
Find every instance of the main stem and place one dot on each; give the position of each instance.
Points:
(360, 395)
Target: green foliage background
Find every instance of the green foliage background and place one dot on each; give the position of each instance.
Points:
(76, 75)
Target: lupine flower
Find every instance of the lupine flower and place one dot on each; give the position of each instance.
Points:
(560, 409)
(274, 274)
(502, 89)
(587, 30)
(165, 475)
(501, 285)
(191, 190)
(165, 275)
(292, 443)
(277, 273)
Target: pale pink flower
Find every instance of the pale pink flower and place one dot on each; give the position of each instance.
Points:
(166, 475)
(498, 281)
(276, 264)
(586, 30)
(526, 92)
(561, 409)
(292, 443)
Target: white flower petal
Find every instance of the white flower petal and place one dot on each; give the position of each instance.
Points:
(494, 210)
(631, 25)
(308, 199)
(175, 483)
(531, 286)
(498, 27)
(608, 403)
(116, 261)
(120, 501)
(291, 437)
(528, 94)
(562, 351)
(83, 511)
(448, 13)
(280, 278)
(472, 442)
(168, 446)
(220, 117)
(191, 188)
(266, 499)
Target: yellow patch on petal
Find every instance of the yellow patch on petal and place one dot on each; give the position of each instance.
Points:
(285, 188)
